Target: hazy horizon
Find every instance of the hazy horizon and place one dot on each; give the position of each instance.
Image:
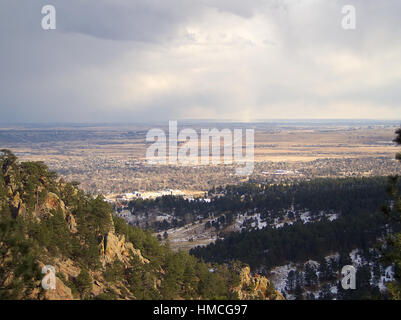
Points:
(260, 121)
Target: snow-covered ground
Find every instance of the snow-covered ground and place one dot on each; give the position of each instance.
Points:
(278, 275)
(387, 275)
(255, 221)
(142, 218)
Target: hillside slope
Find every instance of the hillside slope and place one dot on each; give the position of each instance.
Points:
(47, 221)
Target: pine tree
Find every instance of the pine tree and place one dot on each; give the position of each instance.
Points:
(83, 282)
(392, 250)
(310, 275)
(325, 293)
(323, 270)
(310, 296)
(299, 284)
(290, 284)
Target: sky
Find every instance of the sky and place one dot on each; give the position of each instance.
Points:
(149, 60)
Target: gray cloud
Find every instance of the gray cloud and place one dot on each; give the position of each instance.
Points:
(114, 60)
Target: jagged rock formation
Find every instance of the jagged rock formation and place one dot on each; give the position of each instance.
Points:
(54, 203)
(114, 247)
(255, 287)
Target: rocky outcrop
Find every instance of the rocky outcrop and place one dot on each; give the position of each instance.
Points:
(53, 202)
(114, 247)
(137, 252)
(14, 196)
(16, 205)
(72, 224)
(255, 287)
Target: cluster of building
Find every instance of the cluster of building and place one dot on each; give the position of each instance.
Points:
(120, 177)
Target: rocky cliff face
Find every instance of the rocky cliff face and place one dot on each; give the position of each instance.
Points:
(255, 287)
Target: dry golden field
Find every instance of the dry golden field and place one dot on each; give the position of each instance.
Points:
(279, 144)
